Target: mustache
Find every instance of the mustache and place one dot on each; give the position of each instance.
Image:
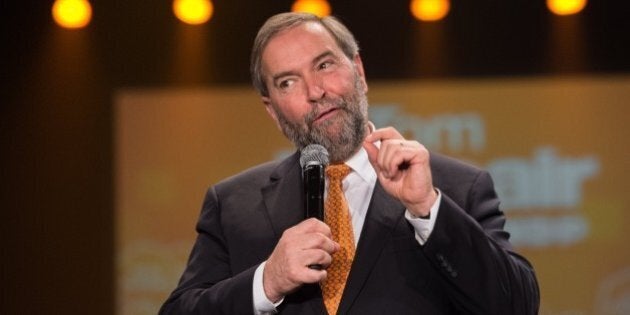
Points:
(324, 106)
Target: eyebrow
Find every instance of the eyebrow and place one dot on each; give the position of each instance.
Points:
(316, 60)
(323, 55)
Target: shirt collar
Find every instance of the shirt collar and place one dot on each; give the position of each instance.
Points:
(360, 164)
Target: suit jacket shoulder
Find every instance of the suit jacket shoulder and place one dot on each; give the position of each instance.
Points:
(255, 176)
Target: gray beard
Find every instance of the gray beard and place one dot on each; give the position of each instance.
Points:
(351, 118)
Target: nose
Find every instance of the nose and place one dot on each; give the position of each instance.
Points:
(314, 89)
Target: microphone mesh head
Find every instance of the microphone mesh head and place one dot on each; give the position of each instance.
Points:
(314, 154)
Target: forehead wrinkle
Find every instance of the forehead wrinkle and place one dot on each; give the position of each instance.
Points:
(282, 57)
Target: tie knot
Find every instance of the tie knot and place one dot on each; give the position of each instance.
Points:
(337, 171)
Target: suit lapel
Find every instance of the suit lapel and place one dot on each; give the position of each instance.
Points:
(383, 214)
(283, 196)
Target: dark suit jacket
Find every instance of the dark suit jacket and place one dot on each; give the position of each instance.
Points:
(465, 267)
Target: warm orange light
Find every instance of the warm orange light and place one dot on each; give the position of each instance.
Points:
(320, 8)
(72, 13)
(429, 10)
(566, 7)
(193, 11)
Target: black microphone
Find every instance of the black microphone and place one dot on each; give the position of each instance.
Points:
(313, 160)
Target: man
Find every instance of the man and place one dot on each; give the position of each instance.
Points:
(425, 233)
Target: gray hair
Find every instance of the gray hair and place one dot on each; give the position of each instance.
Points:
(284, 21)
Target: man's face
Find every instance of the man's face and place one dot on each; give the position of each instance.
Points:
(316, 94)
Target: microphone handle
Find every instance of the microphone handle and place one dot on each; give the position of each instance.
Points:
(314, 185)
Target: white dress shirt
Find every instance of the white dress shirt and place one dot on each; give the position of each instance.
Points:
(358, 187)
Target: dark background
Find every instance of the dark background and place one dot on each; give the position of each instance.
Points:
(58, 87)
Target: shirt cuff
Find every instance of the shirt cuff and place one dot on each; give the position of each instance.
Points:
(424, 227)
(262, 305)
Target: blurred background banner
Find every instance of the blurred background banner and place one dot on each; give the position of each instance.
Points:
(557, 149)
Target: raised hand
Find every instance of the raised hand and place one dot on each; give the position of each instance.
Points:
(402, 167)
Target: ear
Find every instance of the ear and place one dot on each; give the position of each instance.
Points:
(358, 64)
(271, 110)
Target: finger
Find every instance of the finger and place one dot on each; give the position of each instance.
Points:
(376, 155)
(399, 155)
(389, 149)
(318, 241)
(384, 134)
(372, 151)
(314, 275)
(317, 257)
(311, 225)
(398, 164)
(384, 158)
(320, 260)
(392, 149)
(313, 267)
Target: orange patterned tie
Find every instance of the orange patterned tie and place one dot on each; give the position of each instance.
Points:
(337, 216)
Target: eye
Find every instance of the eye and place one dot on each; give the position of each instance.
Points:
(285, 84)
(325, 65)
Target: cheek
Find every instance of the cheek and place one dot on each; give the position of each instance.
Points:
(292, 109)
(339, 84)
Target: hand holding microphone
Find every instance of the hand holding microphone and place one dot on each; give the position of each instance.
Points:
(304, 250)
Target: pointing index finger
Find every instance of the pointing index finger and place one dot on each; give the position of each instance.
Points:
(386, 133)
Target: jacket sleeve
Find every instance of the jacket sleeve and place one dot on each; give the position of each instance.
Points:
(208, 285)
(471, 251)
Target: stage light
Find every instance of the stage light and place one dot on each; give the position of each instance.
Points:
(193, 11)
(429, 10)
(320, 8)
(72, 13)
(566, 7)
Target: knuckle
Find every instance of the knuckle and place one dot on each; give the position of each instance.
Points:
(422, 148)
(325, 257)
(310, 223)
(318, 241)
(288, 232)
(327, 230)
(324, 240)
